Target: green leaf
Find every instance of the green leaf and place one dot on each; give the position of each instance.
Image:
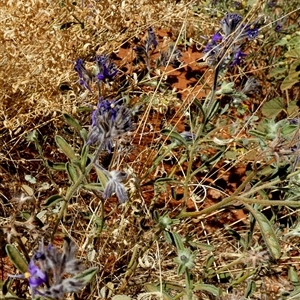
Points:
(178, 241)
(273, 107)
(282, 42)
(204, 246)
(293, 77)
(65, 147)
(93, 186)
(288, 129)
(226, 88)
(16, 258)
(101, 176)
(174, 135)
(199, 106)
(278, 72)
(72, 172)
(293, 53)
(84, 134)
(57, 166)
(251, 288)
(293, 276)
(72, 122)
(52, 200)
(267, 232)
(217, 292)
(87, 275)
(292, 108)
(84, 157)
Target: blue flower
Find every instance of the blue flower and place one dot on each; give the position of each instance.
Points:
(278, 27)
(250, 31)
(230, 23)
(103, 107)
(109, 121)
(272, 3)
(48, 269)
(151, 40)
(115, 185)
(238, 57)
(84, 76)
(106, 68)
(217, 37)
(35, 276)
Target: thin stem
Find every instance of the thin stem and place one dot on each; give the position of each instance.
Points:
(235, 197)
(72, 190)
(189, 284)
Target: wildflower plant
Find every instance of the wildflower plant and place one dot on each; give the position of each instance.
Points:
(151, 191)
(48, 269)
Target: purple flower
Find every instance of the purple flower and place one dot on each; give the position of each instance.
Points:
(217, 37)
(151, 40)
(250, 31)
(115, 185)
(84, 76)
(106, 68)
(230, 23)
(278, 27)
(238, 57)
(103, 107)
(109, 121)
(48, 271)
(172, 56)
(35, 276)
(272, 3)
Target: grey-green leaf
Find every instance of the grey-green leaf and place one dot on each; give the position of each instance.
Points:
(65, 147)
(217, 292)
(84, 157)
(72, 122)
(87, 275)
(174, 135)
(72, 172)
(52, 200)
(267, 232)
(273, 107)
(16, 258)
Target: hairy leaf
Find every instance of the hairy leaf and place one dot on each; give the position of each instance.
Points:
(65, 147)
(16, 258)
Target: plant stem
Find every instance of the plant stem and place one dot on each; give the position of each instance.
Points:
(235, 197)
(189, 284)
(72, 190)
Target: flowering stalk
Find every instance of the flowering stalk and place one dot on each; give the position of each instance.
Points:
(110, 120)
(48, 271)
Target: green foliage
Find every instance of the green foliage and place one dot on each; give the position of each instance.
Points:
(65, 147)
(291, 66)
(16, 258)
(268, 233)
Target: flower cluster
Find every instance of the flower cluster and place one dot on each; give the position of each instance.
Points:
(115, 185)
(110, 120)
(48, 270)
(227, 48)
(172, 57)
(84, 76)
(104, 71)
(143, 51)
